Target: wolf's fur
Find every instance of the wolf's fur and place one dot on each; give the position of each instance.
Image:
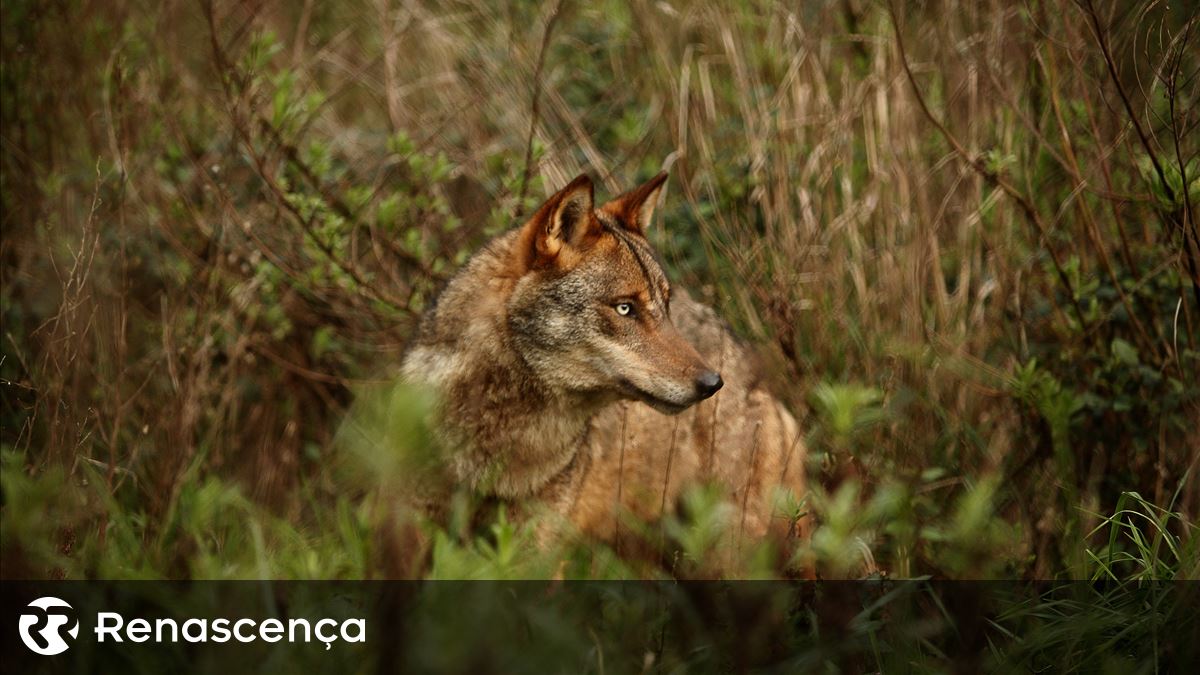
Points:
(549, 395)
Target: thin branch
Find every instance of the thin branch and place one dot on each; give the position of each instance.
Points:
(994, 178)
(1102, 41)
(535, 106)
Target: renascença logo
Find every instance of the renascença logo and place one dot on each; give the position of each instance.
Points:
(46, 619)
(43, 624)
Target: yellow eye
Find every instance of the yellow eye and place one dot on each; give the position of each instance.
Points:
(624, 308)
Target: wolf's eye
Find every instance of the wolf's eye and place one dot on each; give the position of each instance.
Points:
(624, 308)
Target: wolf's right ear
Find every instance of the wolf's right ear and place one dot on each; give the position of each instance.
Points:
(564, 223)
(635, 209)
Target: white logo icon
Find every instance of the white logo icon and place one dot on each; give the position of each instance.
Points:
(43, 623)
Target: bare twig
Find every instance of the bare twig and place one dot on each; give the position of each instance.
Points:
(1189, 235)
(991, 176)
(535, 106)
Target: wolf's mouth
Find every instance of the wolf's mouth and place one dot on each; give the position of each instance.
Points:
(662, 405)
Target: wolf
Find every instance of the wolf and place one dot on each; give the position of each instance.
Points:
(569, 373)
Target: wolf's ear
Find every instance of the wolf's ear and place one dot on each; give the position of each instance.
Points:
(635, 209)
(565, 221)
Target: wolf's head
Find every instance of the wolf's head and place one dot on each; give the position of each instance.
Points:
(590, 311)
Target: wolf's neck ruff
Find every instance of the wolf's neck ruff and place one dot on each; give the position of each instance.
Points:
(508, 430)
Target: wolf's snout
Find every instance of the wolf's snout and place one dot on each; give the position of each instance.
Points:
(709, 383)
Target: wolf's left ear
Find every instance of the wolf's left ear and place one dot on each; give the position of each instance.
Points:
(635, 209)
(564, 222)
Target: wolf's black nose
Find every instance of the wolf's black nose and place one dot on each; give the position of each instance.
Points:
(709, 383)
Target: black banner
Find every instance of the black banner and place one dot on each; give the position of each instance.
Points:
(602, 627)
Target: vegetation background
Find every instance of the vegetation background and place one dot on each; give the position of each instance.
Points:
(963, 234)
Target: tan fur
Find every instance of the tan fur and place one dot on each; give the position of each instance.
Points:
(543, 383)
